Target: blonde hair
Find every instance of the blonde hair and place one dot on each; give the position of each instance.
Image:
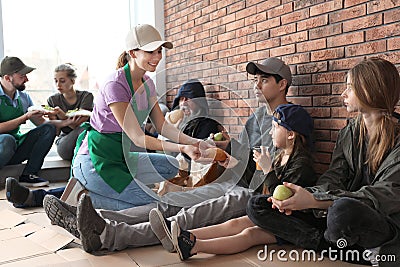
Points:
(376, 84)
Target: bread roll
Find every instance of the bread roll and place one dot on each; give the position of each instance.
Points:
(215, 153)
(175, 116)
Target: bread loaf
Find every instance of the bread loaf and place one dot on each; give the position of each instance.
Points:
(175, 116)
(215, 153)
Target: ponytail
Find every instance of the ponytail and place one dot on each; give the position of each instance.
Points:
(122, 60)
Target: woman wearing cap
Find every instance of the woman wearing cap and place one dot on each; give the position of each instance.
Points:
(291, 125)
(115, 177)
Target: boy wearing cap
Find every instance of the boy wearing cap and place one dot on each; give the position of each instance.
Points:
(16, 147)
(129, 228)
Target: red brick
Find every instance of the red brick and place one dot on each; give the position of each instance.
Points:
(345, 39)
(339, 112)
(247, 12)
(282, 50)
(220, 112)
(305, 3)
(327, 54)
(283, 30)
(237, 59)
(347, 14)
(268, 24)
(297, 58)
(244, 49)
(362, 23)
(322, 157)
(376, 6)
(239, 41)
(266, 5)
(301, 79)
(211, 56)
(327, 101)
(222, 3)
(294, 38)
(240, 94)
(325, 31)
(330, 77)
(258, 36)
(236, 7)
(235, 25)
(331, 124)
(319, 112)
(391, 16)
(227, 19)
(316, 44)
(323, 89)
(383, 31)
(393, 57)
(254, 19)
(208, 9)
(312, 22)
(349, 3)
(218, 14)
(280, 10)
(245, 31)
(325, 7)
(344, 64)
(320, 168)
(324, 135)
(272, 42)
(366, 48)
(305, 101)
(312, 67)
(393, 43)
(258, 55)
(295, 16)
(324, 146)
(338, 89)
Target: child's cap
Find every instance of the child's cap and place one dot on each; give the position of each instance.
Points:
(294, 118)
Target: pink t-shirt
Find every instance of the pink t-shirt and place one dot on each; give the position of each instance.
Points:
(115, 89)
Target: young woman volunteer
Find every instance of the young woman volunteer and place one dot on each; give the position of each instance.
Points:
(116, 177)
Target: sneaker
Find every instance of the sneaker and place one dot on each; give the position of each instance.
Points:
(183, 241)
(16, 193)
(162, 229)
(90, 225)
(32, 180)
(73, 191)
(61, 214)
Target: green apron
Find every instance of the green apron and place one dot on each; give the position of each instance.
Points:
(9, 112)
(106, 149)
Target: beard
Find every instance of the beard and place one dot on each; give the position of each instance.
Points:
(20, 87)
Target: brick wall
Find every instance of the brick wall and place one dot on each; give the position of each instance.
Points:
(320, 40)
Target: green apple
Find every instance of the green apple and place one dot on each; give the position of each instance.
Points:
(218, 136)
(281, 192)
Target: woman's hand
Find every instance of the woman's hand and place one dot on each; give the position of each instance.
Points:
(56, 113)
(192, 151)
(263, 159)
(301, 199)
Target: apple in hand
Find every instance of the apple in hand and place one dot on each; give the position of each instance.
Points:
(218, 136)
(281, 192)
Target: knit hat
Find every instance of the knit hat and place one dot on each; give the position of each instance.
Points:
(271, 65)
(191, 89)
(11, 65)
(294, 118)
(145, 37)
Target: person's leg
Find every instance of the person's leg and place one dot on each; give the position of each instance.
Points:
(66, 143)
(118, 236)
(357, 223)
(300, 228)
(8, 146)
(154, 167)
(102, 195)
(35, 148)
(247, 238)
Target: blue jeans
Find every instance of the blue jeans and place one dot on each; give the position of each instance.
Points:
(152, 168)
(8, 146)
(39, 194)
(35, 148)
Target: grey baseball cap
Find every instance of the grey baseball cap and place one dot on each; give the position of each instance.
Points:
(10, 65)
(271, 65)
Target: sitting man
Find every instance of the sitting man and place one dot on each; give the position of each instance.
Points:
(16, 147)
(130, 228)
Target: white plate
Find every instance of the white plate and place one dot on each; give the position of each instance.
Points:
(81, 112)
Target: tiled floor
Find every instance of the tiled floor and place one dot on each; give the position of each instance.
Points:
(43, 253)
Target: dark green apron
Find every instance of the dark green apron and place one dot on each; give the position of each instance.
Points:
(106, 149)
(9, 112)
